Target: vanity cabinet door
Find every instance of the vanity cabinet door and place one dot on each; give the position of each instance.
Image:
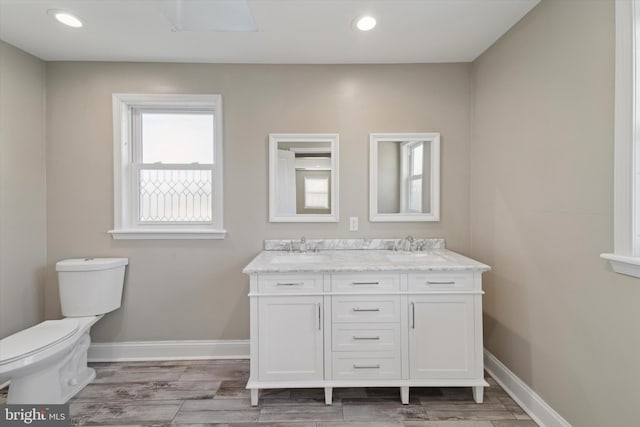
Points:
(290, 338)
(441, 337)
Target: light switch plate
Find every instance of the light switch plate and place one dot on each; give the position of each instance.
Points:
(353, 223)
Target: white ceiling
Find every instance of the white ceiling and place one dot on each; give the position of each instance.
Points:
(288, 31)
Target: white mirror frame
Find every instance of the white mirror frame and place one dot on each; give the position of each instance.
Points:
(434, 139)
(304, 138)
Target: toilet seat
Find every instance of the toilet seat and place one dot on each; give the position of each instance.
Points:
(36, 339)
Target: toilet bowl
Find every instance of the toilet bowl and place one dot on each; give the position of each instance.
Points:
(47, 363)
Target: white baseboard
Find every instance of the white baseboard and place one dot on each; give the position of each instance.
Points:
(539, 410)
(168, 350)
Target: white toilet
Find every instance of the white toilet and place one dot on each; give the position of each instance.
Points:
(47, 363)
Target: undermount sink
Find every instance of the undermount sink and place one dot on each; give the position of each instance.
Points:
(297, 258)
(413, 256)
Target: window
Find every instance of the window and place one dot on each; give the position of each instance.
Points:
(167, 167)
(316, 193)
(411, 167)
(626, 256)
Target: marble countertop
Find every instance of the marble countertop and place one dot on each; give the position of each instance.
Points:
(361, 260)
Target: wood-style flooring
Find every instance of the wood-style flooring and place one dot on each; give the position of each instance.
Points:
(212, 392)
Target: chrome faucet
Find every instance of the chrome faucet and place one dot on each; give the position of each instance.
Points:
(408, 240)
(303, 244)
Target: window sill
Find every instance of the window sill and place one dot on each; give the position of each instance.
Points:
(623, 264)
(168, 234)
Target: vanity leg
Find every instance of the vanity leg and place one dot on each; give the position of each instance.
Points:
(328, 395)
(404, 395)
(254, 396)
(478, 393)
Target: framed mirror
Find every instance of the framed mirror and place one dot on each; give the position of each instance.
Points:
(404, 177)
(303, 177)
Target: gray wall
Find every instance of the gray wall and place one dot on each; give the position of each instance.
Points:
(542, 212)
(22, 189)
(195, 289)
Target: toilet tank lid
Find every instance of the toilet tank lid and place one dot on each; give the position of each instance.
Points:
(90, 264)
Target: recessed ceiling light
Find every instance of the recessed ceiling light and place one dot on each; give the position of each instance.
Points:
(365, 23)
(65, 18)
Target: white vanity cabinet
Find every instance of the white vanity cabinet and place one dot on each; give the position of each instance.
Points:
(441, 336)
(291, 339)
(403, 328)
(445, 326)
(290, 336)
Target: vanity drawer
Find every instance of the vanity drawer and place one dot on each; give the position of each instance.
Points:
(383, 282)
(366, 337)
(366, 308)
(366, 366)
(454, 281)
(288, 283)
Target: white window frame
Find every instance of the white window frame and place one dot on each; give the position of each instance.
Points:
(626, 256)
(126, 197)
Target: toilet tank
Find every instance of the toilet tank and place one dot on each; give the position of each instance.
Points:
(90, 286)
